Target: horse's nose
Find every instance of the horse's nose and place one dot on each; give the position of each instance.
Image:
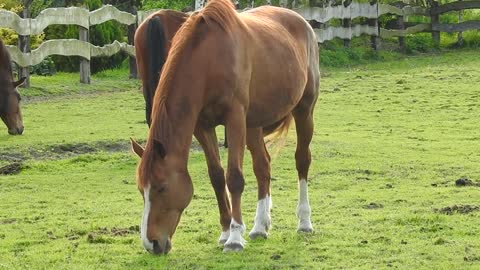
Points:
(20, 130)
(158, 248)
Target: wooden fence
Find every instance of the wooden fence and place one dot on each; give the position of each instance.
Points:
(319, 17)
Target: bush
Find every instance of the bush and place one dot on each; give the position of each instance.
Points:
(100, 35)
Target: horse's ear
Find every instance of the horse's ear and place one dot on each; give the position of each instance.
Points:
(158, 146)
(136, 148)
(19, 82)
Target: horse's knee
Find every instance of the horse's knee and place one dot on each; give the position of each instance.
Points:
(235, 181)
(217, 177)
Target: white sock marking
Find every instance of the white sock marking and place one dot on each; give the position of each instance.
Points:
(262, 217)
(224, 237)
(146, 212)
(235, 239)
(303, 208)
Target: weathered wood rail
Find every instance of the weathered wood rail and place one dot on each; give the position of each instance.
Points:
(320, 17)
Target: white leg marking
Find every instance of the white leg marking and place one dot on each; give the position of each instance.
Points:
(235, 241)
(303, 208)
(224, 237)
(146, 212)
(262, 218)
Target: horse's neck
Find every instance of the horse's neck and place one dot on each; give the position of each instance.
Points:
(182, 113)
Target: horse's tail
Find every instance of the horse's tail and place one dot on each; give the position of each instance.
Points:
(279, 129)
(156, 46)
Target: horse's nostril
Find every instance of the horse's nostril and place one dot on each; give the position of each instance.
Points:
(20, 130)
(156, 247)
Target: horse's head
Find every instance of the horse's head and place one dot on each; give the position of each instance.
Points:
(10, 106)
(166, 189)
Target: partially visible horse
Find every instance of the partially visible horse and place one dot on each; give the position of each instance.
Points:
(251, 72)
(9, 96)
(152, 44)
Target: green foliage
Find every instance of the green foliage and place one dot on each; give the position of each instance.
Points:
(166, 4)
(421, 42)
(100, 35)
(334, 54)
(46, 67)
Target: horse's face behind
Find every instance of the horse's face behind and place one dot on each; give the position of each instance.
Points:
(166, 193)
(10, 112)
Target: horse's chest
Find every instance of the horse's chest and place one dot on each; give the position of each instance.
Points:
(212, 116)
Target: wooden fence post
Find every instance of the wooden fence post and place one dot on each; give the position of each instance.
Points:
(131, 34)
(460, 34)
(24, 46)
(401, 40)
(84, 63)
(346, 23)
(435, 18)
(199, 4)
(375, 40)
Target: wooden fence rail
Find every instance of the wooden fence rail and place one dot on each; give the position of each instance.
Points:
(320, 17)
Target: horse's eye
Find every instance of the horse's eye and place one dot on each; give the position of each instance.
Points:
(161, 189)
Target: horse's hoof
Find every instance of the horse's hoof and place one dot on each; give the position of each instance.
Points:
(222, 242)
(235, 247)
(223, 238)
(305, 229)
(258, 234)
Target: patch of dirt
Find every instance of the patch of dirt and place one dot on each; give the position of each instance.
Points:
(8, 221)
(458, 209)
(373, 205)
(61, 151)
(471, 258)
(465, 182)
(13, 168)
(117, 231)
(275, 257)
(103, 235)
(443, 184)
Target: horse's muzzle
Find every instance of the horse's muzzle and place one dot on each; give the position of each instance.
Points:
(16, 131)
(159, 249)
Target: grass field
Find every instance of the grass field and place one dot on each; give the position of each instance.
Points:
(391, 140)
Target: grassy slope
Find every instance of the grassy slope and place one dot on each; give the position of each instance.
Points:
(384, 134)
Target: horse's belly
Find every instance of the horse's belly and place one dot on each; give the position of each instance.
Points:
(267, 111)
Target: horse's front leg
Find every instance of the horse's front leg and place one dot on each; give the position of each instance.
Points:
(261, 168)
(236, 137)
(208, 140)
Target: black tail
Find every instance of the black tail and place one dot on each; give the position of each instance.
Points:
(156, 45)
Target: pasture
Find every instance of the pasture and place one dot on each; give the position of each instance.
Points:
(391, 140)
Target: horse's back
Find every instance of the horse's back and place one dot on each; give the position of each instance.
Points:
(282, 47)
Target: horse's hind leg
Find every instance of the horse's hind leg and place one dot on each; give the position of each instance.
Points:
(304, 126)
(261, 168)
(208, 140)
(303, 115)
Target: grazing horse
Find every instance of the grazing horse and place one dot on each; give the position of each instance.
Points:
(9, 97)
(250, 71)
(152, 44)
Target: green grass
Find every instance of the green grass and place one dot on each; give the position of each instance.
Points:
(391, 138)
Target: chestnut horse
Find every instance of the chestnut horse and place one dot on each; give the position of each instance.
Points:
(9, 97)
(152, 44)
(251, 72)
